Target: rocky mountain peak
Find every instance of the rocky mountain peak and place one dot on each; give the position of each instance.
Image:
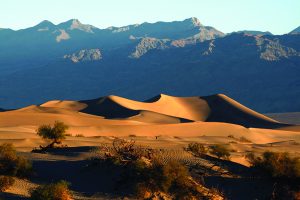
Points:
(195, 21)
(75, 24)
(44, 26)
(85, 55)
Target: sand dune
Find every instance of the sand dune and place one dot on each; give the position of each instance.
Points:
(35, 116)
(215, 108)
(291, 128)
(69, 105)
(225, 109)
(156, 118)
(215, 115)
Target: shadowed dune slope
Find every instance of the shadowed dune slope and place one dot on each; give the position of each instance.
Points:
(225, 109)
(107, 108)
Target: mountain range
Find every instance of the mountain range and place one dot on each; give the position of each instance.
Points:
(72, 60)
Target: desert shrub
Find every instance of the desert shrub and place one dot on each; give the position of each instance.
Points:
(197, 149)
(52, 191)
(11, 164)
(6, 182)
(125, 151)
(144, 176)
(79, 135)
(172, 178)
(244, 139)
(220, 151)
(132, 135)
(276, 164)
(286, 190)
(55, 133)
(231, 136)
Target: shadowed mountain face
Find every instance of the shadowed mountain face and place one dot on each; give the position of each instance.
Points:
(249, 32)
(296, 31)
(72, 60)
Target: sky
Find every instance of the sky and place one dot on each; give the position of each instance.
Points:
(276, 16)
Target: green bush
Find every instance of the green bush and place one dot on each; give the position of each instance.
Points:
(6, 182)
(220, 151)
(57, 133)
(197, 149)
(277, 164)
(11, 164)
(52, 191)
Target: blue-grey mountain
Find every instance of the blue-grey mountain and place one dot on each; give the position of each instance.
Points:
(72, 60)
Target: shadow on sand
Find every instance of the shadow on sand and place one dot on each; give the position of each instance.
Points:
(69, 151)
(11, 196)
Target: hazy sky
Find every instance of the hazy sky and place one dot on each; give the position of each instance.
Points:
(277, 16)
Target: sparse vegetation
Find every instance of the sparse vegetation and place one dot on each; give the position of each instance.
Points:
(286, 190)
(197, 149)
(6, 182)
(11, 164)
(79, 135)
(244, 139)
(52, 191)
(221, 151)
(276, 164)
(171, 178)
(132, 135)
(147, 177)
(124, 151)
(241, 139)
(55, 133)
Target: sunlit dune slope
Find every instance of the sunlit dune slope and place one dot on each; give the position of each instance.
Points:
(215, 108)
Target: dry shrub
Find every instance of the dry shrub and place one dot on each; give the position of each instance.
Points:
(125, 151)
(276, 164)
(6, 182)
(221, 151)
(146, 176)
(197, 149)
(11, 164)
(52, 191)
(244, 139)
(132, 135)
(170, 178)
